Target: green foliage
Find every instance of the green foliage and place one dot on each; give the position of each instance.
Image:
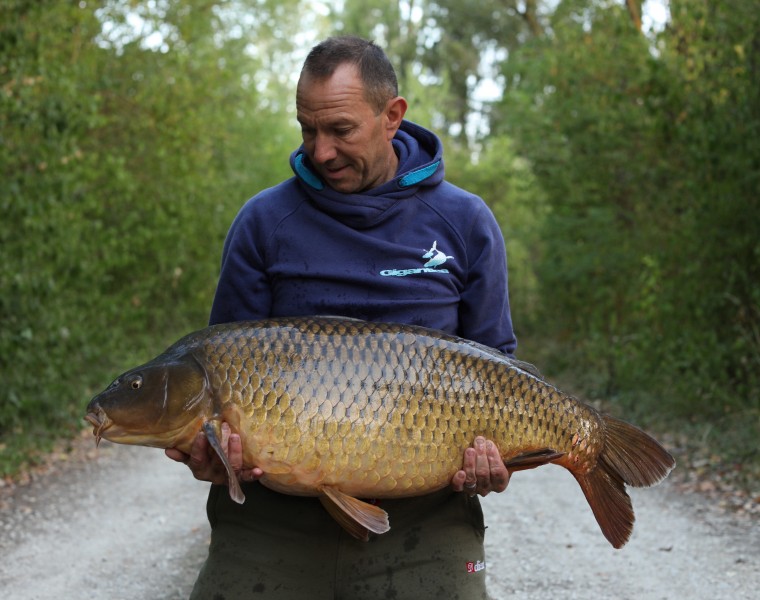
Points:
(647, 151)
(123, 164)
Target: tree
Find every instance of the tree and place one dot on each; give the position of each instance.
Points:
(126, 153)
(648, 155)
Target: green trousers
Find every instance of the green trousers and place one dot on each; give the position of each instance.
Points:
(282, 547)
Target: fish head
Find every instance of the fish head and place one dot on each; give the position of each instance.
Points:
(161, 404)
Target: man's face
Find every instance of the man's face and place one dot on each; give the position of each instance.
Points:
(348, 144)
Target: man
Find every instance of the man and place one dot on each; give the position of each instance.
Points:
(367, 228)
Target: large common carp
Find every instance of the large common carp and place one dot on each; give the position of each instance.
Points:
(345, 409)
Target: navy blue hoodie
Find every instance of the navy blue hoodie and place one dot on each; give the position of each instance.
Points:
(416, 250)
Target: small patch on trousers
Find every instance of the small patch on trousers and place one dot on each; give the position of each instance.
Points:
(476, 567)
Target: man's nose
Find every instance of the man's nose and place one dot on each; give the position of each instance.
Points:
(324, 149)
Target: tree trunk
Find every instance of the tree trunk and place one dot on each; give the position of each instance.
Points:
(635, 11)
(532, 19)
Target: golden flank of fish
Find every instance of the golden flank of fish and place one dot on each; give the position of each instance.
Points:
(345, 409)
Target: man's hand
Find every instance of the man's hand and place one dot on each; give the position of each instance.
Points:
(483, 471)
(206, 465)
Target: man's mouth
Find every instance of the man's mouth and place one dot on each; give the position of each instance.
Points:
(333, 172)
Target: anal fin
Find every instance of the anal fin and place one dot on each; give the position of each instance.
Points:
(355, 516)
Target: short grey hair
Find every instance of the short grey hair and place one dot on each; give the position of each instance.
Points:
(375, 69)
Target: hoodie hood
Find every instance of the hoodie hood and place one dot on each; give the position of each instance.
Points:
(420, 164)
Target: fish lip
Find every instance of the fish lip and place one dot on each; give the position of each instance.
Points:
(100, 422)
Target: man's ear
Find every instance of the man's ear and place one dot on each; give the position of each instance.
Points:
(394, 114)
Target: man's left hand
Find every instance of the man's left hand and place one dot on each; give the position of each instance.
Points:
(483, 471)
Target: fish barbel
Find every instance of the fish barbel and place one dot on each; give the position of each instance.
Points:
(345, 409)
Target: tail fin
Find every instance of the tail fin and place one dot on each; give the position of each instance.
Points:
(629, 456)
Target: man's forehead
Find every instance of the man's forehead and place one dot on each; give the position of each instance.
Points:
(332, 105)
(334, 100)
(327, 118)
(345, 80)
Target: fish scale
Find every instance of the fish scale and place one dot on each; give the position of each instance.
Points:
(307, 363)
(345, 409)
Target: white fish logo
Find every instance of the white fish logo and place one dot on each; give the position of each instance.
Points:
(437, 258)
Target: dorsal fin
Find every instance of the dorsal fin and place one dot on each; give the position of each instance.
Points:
(526, 366)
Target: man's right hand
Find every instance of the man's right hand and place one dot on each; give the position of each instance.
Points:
(206, 465)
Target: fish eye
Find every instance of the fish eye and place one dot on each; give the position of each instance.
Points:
(136, 383)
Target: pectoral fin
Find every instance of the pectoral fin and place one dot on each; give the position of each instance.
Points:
(355, 516)
(236, 492)
(531, 460)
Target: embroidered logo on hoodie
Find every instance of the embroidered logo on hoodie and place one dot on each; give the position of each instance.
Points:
(435, 258)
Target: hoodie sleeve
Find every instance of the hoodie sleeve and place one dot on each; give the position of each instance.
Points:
(484, 312)
(243, 291)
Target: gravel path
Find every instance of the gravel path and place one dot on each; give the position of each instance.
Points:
(129, 524)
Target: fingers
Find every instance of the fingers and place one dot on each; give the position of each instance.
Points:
(233, 448)
(482, 468)
(206, 465)
(201, 463)
(457, 482)
(199, 453)
(225, 438)
(498, 471)
(235, 456)
(482, 471)
(204, 462)
(465, 480)
(177, 455)
(248, 475)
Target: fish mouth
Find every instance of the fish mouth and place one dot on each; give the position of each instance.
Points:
(100, 423)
